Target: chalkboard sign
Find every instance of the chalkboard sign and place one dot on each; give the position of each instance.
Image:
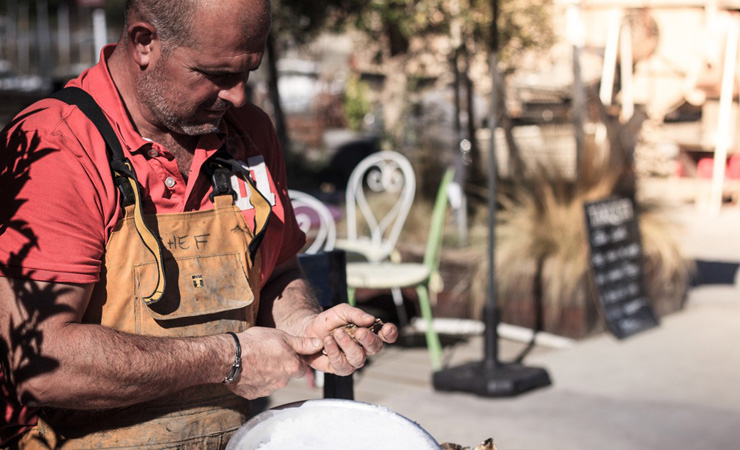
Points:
(616, 264)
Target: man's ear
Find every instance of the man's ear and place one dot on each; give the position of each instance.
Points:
(145, 43)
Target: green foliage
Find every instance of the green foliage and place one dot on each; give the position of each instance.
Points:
(356, 103)
(522, 25)
(303, 20)
(400, 20)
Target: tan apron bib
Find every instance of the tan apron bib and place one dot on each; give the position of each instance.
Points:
(170, 275)
(212, 287)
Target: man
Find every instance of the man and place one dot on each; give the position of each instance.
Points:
(89, 335)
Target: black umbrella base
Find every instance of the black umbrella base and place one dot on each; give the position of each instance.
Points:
(487, 380)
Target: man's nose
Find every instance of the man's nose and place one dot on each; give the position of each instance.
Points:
(235, 94)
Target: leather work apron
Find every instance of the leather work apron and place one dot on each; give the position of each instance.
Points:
(211, 270)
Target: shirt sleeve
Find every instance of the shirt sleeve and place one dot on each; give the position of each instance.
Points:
(293, 237)
(285, 238)
(51, 215)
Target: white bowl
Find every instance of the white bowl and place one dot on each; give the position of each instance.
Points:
(331, 424)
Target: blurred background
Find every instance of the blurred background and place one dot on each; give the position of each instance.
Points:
(594, 97)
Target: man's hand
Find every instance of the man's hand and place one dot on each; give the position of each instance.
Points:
(286, 303)
(270, 359)
(344, 354)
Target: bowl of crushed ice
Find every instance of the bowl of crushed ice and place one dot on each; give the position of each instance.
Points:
(330, 424)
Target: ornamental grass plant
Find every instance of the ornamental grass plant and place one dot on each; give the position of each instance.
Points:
(542, 271)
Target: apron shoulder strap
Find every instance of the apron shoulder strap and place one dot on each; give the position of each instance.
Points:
(219, 167)
(124, 177)
(120, 165)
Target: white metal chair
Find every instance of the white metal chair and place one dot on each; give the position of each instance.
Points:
(379, 195)
(390, 275)
(315, 219)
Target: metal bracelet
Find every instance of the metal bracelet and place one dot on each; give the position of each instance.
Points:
(236, 368)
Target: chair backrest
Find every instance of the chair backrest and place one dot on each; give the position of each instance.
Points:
(315, 219)
(388, 173)
(437, 224)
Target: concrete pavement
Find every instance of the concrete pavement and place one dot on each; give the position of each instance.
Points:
(675, 386)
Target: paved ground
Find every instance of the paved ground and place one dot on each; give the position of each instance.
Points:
(676, 386)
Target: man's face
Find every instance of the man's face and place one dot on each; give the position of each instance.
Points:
(188, 89)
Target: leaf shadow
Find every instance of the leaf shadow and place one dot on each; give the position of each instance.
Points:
(35, 302)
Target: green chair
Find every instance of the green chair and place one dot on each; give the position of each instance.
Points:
(390, 275)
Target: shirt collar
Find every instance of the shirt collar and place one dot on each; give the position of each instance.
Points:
(98, 83)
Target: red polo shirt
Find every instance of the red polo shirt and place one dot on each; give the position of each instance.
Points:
(58, 204)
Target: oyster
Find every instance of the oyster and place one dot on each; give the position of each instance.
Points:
(485, 445)
(351, 329)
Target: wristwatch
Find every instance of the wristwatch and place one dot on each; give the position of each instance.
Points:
(236, 368)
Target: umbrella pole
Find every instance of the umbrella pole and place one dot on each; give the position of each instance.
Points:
(490, 377)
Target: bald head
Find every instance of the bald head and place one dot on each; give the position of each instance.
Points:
(177, 21)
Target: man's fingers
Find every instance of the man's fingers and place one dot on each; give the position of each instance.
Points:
(337, 361)
(348, 339)
(343, 314)
(304, 345)
(352, 350)
(389, 333)
(271, 359)
(371, 343)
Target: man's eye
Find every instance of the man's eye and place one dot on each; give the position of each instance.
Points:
(224, 78)
(210, 75)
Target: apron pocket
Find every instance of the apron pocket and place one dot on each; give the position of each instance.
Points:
(196, 286)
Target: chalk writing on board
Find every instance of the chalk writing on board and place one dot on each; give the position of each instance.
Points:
(616, 265)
